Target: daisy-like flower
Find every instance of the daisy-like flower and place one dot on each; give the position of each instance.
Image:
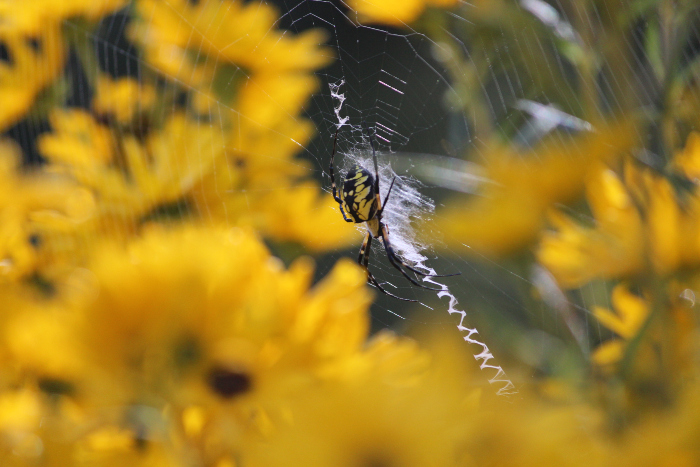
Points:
(40, 215)
(189, 41)
(614, 247)
(642, 224)
(122, 99)
(511, 209)
(33, 61)
(390, 405)
(129, 174)
(628, 320)
(201, 318)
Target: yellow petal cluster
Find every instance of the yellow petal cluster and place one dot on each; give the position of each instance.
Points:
(511, 209)
(196, 340)
(31, 33)
(642, 224)
(395, 13)
(122, 99)
(158, 317)
(34, 61)
(31, 16)
(39, 214)
(131, 175)
(235, 32)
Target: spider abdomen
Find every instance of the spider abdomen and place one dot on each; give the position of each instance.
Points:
(359, 198)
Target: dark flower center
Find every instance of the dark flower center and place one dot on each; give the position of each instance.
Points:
(228, 383)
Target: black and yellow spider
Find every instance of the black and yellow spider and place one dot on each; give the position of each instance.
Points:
(360, 199)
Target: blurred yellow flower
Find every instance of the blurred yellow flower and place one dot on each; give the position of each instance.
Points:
(257, 185)
(671, 342)
(575, 253)
(511, 209)
(31, 16)
(39, 214)
(299, 214)
(631, 311)
(131, 175)
(198, 316)
(175, 35)
(77, 140)
(390, 407)
(642, 223)
(33, 62)
(394, 12)
(122, 99)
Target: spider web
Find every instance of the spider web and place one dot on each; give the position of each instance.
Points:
(398, 83)
(389, 81)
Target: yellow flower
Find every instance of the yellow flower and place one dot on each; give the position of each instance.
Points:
(191, 321)
(300, 214)
(31, 16)
(175, 35)
(77, 140)
(394, 12)
(122, 99)
(34, 61)
(256, 185)
(131, 177)
(642, 224)
(391, 406)
(39, 215)
(628, 320)
(511, 209)
(309, 218)
(266, 130)
(631, 311)
(200, 316)
(575, 253)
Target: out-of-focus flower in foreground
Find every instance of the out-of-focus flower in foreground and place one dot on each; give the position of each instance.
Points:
(195, 317)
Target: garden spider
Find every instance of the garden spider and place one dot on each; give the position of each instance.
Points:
(360, 199)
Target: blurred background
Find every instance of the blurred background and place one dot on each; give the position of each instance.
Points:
(180, 287)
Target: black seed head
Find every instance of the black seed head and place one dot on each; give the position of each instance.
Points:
(34, 240)
(228, 383)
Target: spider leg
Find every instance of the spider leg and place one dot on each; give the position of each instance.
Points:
(390, 252)
(386, 200)
(332, 174)
(363, 260)
(397, 262)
